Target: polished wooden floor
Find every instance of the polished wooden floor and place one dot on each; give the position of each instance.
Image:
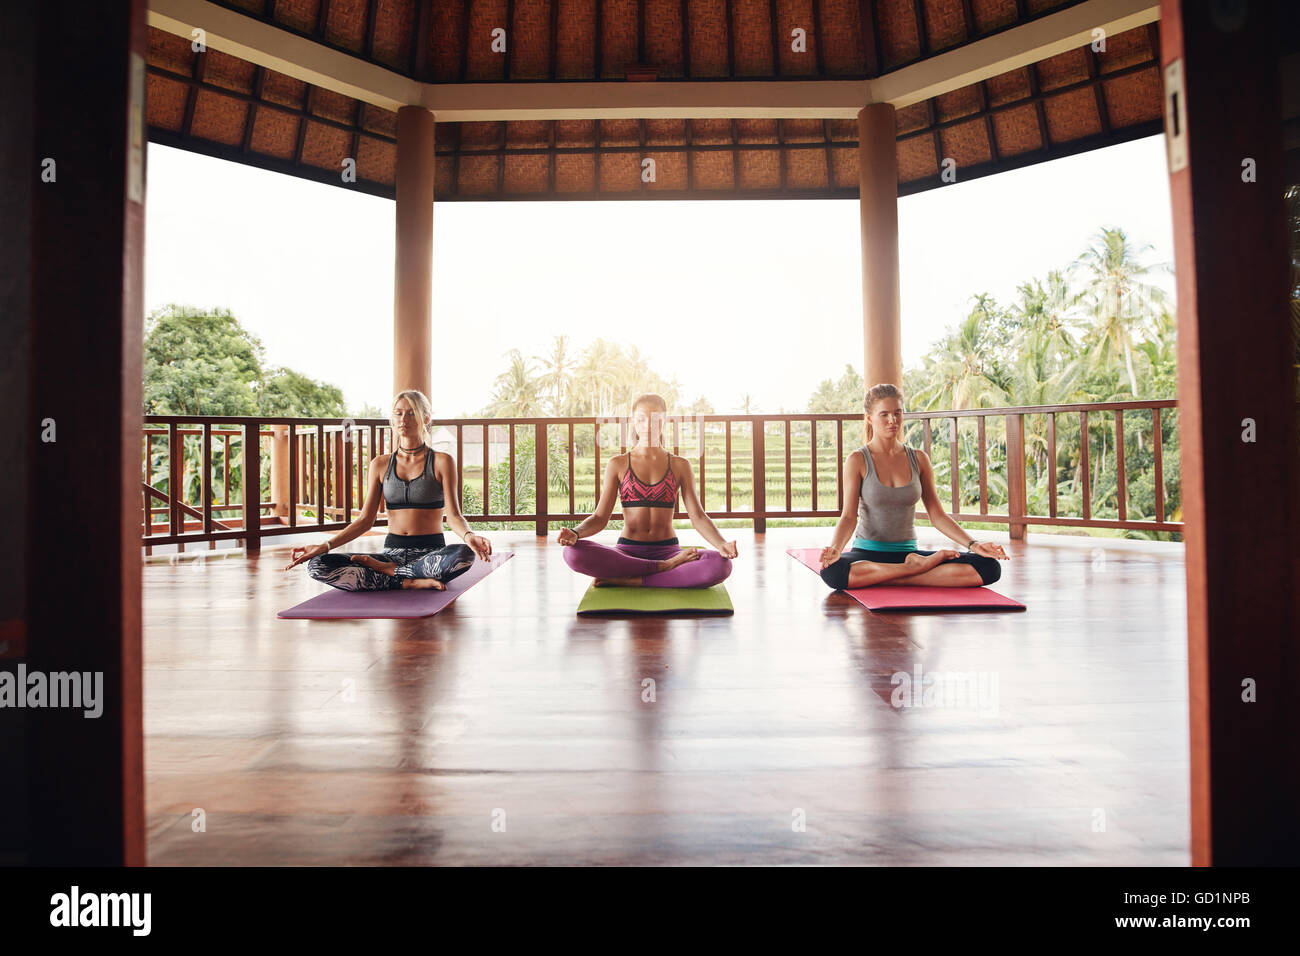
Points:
(506, 730)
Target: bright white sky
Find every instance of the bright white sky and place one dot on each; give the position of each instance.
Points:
(731, 296)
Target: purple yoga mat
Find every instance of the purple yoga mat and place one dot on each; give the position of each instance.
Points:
(336, 605)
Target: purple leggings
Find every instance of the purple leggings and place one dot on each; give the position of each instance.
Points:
(636, 559)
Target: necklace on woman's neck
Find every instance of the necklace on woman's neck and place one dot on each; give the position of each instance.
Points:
(411, 451)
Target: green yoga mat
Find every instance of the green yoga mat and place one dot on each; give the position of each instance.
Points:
(616, 600)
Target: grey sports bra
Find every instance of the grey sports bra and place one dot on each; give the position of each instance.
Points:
(422, 491)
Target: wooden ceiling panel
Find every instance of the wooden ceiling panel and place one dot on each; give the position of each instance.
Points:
(218, 118)
(447, 25)
(618, 37)
(274, 134)
(841, 37)
(752, 47)
(222, 69)
(806, 169)
(1062, 69)
(377, 160)
(170, 52)
(575, 172)
(714, 170)
(285, 90)
(670, 172)
(166, 99)
(301, 15)
(945, 24)
(620, 133)
(478, 175)
(663, 37)
(575, 48)
(665, 132)
(708, 38)
(791, 15)
(967, 144)
(528, 134)
(394, 30)
(1017, 130)
(619, 172)
(530, 36)
(575, 133)
(1007, 87)
(1072, 115)
(916, 159)
(1134, 98)
(325, 147)
(483, 64)
(530, 173)
(1125, 49)
(756, 131)
(341, 109)
(896, 24)
(759, 169)
(958, 103)
(345, 26)
(993, 14)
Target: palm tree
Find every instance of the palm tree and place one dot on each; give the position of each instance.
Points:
(963, 371)
(596, 377)
(1117, 297)
(557, 378)
(517, 393)
(747, 405)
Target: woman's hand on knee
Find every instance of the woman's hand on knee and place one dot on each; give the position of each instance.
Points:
(480, 546)
(728, 550)
(567, 536)
(299, 555)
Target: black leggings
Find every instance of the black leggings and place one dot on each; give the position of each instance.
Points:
(837, 575)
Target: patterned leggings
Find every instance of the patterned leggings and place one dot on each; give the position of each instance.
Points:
(640, 559)
(416, 556)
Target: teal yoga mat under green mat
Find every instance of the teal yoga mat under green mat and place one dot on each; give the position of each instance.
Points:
(619, 600)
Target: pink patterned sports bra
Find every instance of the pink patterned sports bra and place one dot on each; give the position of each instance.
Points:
(633, 492)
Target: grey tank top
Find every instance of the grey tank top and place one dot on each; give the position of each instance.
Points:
(884, 513)
(422, 491)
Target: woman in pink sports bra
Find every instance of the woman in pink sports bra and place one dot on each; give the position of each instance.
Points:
(647, 554)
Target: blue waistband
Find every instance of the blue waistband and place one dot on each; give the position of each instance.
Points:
(866, 544)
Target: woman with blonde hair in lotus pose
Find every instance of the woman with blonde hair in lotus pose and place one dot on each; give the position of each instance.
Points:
(418, 486)
(647, 555)
(883, 480)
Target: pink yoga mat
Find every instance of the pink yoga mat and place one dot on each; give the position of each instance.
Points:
(899, 597)
(336, 605)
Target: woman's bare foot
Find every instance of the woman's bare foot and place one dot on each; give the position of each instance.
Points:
(426, 584)
(619, 582)
(370, 561)
(924, 562)
(687, 554)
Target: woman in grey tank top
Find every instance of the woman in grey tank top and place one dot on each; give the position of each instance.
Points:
(883, 480)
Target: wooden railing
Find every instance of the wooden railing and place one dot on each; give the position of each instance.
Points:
(319, 467)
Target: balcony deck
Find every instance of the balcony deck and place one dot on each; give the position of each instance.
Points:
(508, 706)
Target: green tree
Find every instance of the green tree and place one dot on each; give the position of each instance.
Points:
(845, 395)
(199, 362)
(1118, 298)
(286, 393)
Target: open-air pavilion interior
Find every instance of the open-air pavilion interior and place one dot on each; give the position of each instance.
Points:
(1119, 732)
